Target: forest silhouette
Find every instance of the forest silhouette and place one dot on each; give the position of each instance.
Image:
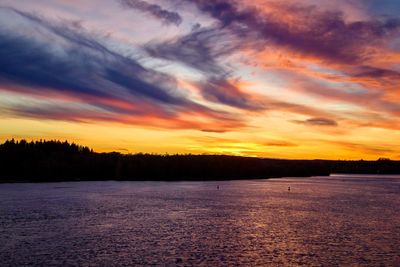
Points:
(51, 161)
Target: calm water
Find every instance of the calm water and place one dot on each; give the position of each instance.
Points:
(330, 221)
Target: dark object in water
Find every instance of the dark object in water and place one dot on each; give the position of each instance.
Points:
(288, 189)
(217, 187)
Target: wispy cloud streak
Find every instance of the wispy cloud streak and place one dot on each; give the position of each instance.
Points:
(168, 17)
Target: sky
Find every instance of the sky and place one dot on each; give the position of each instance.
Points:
(310, 79)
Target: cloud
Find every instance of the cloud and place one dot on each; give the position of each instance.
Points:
(307, 30)
(317, 122)
(213, 130)
(280, 144)
(84, 65)
(66, 62)
(154, 10)
(338, 91)
(223, 92)
(201, 49)
(365, 148)
(373, 72)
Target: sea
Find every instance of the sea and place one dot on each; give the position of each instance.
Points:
(337, 220)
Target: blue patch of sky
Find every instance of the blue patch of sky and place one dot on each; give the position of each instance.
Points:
(384, 7)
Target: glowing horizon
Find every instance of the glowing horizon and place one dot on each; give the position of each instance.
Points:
(278, 79)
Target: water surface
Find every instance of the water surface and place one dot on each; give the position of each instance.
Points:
(323, 221)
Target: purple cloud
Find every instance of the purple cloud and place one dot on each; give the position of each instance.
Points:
(154, 10)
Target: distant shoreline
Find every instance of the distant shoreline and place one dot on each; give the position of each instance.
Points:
(11, 181)
(188, 180)
(55, 161)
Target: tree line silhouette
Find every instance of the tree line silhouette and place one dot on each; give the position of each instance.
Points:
(39, 161)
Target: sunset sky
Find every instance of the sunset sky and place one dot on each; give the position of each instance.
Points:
(269, 78)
